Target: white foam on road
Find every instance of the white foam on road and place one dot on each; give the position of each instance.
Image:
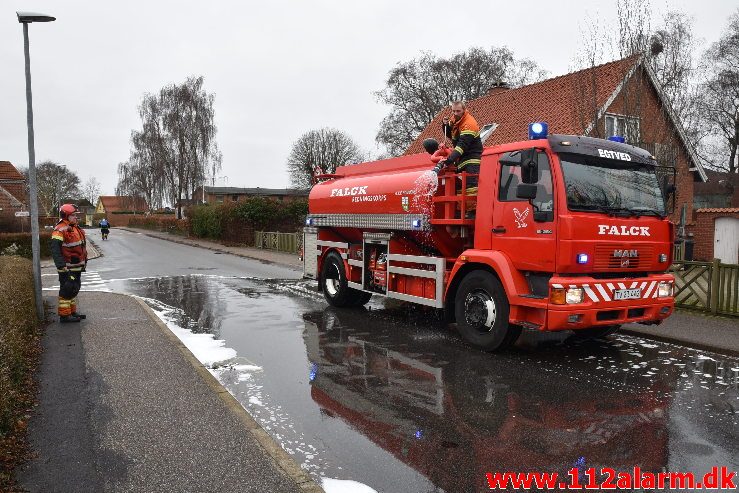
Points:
(345, 486)
(205, 347)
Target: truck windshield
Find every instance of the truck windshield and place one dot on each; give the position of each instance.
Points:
(609, 186)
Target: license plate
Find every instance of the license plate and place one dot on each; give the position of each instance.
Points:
(627, 294)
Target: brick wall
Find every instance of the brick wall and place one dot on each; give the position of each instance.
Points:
(703, 232)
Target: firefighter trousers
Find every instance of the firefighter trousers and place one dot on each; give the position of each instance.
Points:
(70, 283)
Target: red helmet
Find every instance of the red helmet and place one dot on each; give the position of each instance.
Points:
(67, 209)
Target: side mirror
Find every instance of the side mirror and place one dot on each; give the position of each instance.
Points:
(431, 145)
(526, 191)
(529, 166)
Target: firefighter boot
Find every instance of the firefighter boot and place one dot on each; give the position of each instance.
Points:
(69, 319)
(81, 316)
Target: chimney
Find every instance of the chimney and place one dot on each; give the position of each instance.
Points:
(499, 86)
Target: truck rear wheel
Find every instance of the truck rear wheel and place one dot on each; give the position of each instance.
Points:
(481, 309)
(335, 288)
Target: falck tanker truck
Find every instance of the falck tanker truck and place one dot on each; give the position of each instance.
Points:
(565, 233)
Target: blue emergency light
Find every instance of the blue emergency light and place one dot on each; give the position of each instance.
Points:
(538, 130)
(617, 138)
(416, 223)
(582, 258)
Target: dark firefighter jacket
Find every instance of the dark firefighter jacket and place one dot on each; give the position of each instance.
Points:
(68, 246)
(465, 135)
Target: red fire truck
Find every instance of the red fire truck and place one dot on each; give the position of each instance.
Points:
(565, 233)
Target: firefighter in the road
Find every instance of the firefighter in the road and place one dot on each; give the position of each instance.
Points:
(69, 250)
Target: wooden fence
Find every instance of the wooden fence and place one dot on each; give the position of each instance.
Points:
(282, 242)
(708, 286)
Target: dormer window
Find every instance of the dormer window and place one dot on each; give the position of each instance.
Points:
(486, 130)
(624, 126)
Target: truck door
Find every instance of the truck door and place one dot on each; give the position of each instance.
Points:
(525, 231)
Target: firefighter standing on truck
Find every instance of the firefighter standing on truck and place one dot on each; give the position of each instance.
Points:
(69, 250)
(464, 132)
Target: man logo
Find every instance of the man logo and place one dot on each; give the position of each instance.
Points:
(626, 253)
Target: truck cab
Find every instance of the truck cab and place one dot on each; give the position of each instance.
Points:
(568, 233)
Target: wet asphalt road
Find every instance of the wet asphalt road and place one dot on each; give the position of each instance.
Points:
(394, 399)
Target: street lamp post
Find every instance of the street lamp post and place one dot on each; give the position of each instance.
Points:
(26, 18)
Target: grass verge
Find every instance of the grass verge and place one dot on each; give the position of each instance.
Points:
(20, 353)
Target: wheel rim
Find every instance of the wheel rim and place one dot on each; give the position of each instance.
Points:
(332, 283)
(480, 310)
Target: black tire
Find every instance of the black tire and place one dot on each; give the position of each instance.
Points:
(361, 298)
(595, 332)
(481, 309)
(334, 284)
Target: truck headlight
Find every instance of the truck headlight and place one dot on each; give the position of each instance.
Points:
(664, 290)
(567, 296)
(574, 295)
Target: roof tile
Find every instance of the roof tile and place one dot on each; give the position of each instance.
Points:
(564, 102)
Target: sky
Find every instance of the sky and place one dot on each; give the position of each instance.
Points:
(278, 69)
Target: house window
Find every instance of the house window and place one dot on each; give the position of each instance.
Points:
(624, 126)
(234, 198)
(219, 199)
(486, 130)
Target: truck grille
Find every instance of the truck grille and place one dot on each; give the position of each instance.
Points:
(605, 260)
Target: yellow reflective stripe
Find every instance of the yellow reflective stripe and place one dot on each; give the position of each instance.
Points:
(73, 244)
(75, 267)
(471, 191)
(469, 161)
(469, 132)
(57, 236)
(459, 150)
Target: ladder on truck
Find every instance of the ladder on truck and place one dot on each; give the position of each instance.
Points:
(451, 208)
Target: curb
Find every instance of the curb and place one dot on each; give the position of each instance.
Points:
(281, 459)
(685, 343)
(214, 249)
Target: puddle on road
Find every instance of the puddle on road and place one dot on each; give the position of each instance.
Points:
(391, 398)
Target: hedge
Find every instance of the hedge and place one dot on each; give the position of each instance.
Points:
(161, 223)
(20, 244)
(219, 222)
(19, 355)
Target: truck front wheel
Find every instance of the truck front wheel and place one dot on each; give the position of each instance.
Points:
(335, 288)
(481, 308)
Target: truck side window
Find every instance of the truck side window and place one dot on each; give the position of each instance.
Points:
(544, 200)
(510, 178)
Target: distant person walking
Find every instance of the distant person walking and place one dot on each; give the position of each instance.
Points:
(69, 250)
(105, 228)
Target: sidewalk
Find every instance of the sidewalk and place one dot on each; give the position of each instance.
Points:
(271, 256)
(702, 331)
(124, 406)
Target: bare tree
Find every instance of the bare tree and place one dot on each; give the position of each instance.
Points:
(176, 148)
(418, 89)
(665, 52)
(719, 105)
(55, 182)
(91, 190)
(320, 152)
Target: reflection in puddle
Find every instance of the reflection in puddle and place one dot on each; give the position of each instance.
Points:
(391, 398)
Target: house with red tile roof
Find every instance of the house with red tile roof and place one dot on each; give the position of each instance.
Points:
(617, 98)
(13, 198)
(621, 97)
(120, 204)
